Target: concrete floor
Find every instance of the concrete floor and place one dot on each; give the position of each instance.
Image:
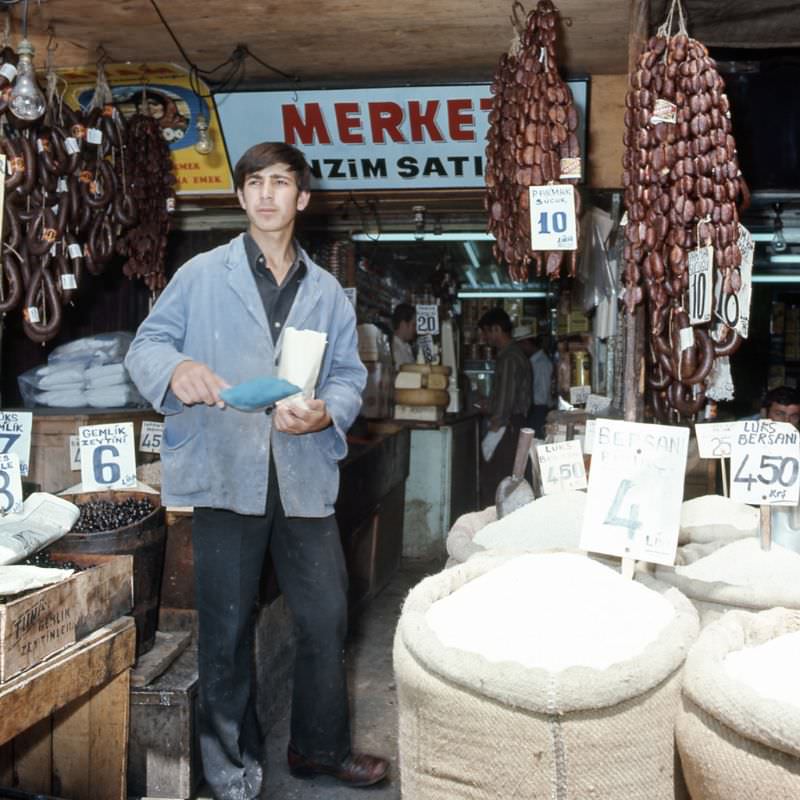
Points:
(373, 700)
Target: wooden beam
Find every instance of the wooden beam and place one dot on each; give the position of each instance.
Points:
(633, 400)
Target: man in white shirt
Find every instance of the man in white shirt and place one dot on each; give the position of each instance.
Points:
(542, 368)
(404, 324)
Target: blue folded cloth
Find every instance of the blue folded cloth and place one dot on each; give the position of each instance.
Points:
(258, 393)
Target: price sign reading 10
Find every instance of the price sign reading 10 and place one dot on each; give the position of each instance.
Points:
(552, 210)
(108, 457)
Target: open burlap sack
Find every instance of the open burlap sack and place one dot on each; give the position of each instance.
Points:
(713, 599)
(712, 518)
(734, 743)
(543, 524)
(471, 728)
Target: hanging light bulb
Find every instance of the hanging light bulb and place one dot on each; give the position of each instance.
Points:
(203, 145)
(27, 101)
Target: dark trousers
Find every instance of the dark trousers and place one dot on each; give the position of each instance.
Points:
(229, 552)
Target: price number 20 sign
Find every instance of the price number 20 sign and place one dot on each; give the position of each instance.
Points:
(765, 463)
(108, 456)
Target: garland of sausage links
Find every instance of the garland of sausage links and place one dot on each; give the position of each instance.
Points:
(79, 187)
(681, 186)
(532, 134)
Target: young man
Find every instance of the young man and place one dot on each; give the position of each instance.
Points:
(259, 482)
(542, 368)
(509, 401)
(782, 404)
(404, 325)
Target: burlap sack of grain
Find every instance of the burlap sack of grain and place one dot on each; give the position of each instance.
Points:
(547, 523)
(712, 518)
(713, 599)
(734, 743)
(471, 729)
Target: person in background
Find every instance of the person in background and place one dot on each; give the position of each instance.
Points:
(404, 324)
(259, 482)
(782, 404)
(542, 395)
(509, 402)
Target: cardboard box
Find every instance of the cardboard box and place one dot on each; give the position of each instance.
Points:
(37, 624)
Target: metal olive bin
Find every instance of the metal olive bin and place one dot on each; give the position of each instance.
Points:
(145, 540)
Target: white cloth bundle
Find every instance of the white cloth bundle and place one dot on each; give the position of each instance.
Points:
(64, 377)
(301, 358)
(107, 375)
(67, 397)
(113, 396)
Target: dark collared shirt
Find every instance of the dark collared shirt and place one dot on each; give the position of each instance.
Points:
(277, 300)
(513, 381)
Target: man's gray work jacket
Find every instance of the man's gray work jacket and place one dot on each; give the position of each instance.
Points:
(211, 312)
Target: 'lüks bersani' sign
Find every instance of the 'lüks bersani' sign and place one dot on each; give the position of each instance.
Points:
(426, 137)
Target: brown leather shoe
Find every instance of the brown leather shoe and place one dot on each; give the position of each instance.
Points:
(358, 769)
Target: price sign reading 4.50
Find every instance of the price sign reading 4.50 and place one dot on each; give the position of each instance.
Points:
(15, 436)
(765, 463)
(150, 436)
(10, 484)
(553, 217)
(108, 456)
(633, 503)
(561, 465)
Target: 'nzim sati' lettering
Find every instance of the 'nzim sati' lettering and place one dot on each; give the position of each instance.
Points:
(382, 122)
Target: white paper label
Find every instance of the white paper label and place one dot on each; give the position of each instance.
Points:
(552, 210)
(714, 439)
(663, 111)
(570, 169)
(765, 463)
(15, 436)
(597, 404)
(701, 263)
(62, 186)
(686, 338)
(351, 293)
(68, 281)
(74, 454)
(94, 136)
(427, 320)
(39, 145)
(32, 314)
(75, 251)
(747, 249)
(633, 504)
(170, 204)
(9, 72)
(10, 484)
(71, 145)
(561, 466)
(578, 395)
(108, 456)
(150, 436)
(425, 345)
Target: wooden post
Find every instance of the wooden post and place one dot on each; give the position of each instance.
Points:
(766, 527)
(633, 399)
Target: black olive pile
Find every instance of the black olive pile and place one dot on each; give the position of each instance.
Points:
(103, 515)
(44, 559)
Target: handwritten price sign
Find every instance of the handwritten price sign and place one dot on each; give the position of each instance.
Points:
(10, 484)
(765, 463)
(561, 465)
(108, 457)
(633, 504)
(15, 436)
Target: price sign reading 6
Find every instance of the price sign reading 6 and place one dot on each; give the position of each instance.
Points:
(105, 472)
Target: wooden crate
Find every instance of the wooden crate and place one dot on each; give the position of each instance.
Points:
(41, 623)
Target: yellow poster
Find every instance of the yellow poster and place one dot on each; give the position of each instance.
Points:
(165, 92)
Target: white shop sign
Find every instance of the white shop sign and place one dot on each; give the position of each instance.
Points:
(15, 436)
(714, 439)
(561, 466)
(10, 484)
(765, 463)
(419, 137)
(108, 456)
(635, 490)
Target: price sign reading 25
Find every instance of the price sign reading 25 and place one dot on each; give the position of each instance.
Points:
(107, 455)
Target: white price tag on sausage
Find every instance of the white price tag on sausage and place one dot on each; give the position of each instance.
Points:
(747, 249)
(68, 281)
(150, 436)
(427, 319)
(714, 439)
(633, 504)
(765, 463)
(10, 484)
(108, 456)
(94, 136)
(552, 210)
(561, 466)
(701, 263)
(15, 436)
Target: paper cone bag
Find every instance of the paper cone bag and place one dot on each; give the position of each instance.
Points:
(301, 359)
